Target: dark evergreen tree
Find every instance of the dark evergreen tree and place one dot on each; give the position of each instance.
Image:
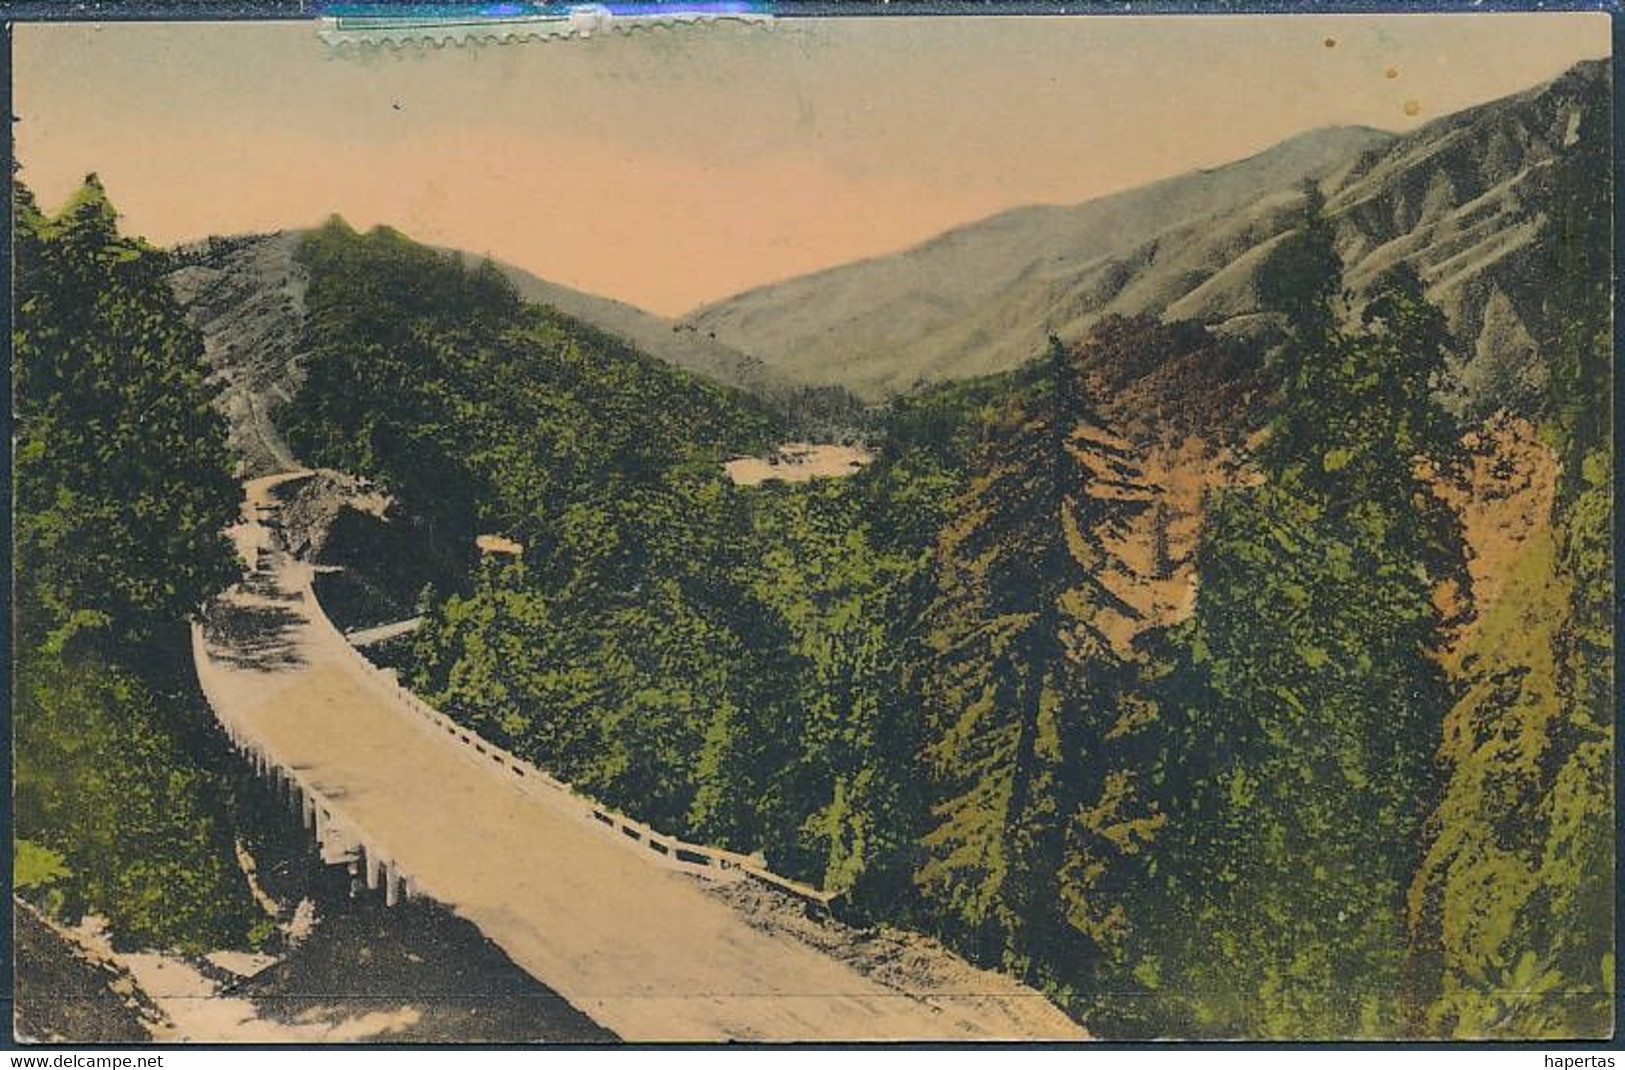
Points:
(122, 493)
(1021, 677)
(1309, 705)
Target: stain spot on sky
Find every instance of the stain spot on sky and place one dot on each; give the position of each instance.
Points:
(1391, 72)
(1412, 106)
(1331, 42)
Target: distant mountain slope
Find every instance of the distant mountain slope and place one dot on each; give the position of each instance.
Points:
(1456, 199)
(683, 346)
(875, 325)
(1449, 197)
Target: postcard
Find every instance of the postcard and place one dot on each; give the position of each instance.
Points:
(611, 525)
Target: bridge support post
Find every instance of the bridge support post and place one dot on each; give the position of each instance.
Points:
(392, 885)
(373, 866)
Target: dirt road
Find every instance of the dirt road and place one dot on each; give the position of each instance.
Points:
(641, 949)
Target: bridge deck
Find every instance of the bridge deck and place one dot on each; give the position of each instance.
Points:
(643, 950)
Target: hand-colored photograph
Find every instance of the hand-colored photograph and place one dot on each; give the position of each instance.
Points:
(768, 529)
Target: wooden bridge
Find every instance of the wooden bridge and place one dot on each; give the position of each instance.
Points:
(609, 913)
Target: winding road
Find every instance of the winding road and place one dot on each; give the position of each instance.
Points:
(642, 949)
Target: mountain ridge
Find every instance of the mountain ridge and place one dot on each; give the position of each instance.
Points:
(1450, 197)
(246, 295)
(653, 334)
(893, 303)
(983, 296)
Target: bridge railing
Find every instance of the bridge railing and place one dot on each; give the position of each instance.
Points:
(712, 862)
(339, 840)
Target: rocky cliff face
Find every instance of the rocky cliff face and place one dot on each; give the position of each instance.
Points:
(1186, 406)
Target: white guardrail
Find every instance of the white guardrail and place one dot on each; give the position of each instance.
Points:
(710, 862)
(663, 848)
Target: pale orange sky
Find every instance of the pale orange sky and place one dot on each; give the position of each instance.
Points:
(680, 166)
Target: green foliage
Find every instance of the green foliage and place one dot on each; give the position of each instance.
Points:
(730, 679)
(840, 804)
(1305, 738)
(123, 799)
(1520, 856)
(1022, 687)
(1306, 698)
(122, 493)
(33, 866)
(122, 484)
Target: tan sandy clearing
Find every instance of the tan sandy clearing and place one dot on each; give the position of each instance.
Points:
(797, 462)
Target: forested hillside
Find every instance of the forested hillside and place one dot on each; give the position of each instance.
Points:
(123, 489)
(817, 412)
(483, 412)
(720, 661)
(1165, 672)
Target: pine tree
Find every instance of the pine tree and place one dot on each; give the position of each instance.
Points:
(122, 490)
(1021, 676)
(1310, 700)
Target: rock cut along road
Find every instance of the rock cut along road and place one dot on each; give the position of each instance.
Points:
(642, 949)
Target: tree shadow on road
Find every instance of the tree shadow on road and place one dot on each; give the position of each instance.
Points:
(257, 637)
(263, 583)
(420, 974)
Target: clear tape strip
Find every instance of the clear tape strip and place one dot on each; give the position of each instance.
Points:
(514, 22)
